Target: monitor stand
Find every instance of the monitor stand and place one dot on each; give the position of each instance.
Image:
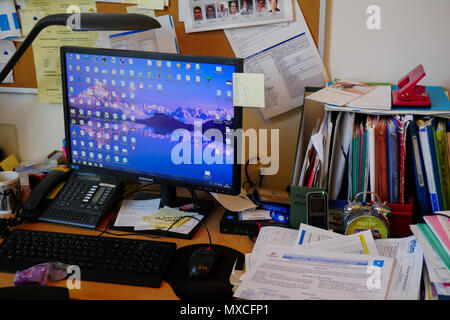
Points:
(169, 198)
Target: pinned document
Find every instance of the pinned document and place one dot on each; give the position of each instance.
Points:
(149, 4)
(248, 89)
(288, 56)
(159, 40)
(7, 50)
(28, 18)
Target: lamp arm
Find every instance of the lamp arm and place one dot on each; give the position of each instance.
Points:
(91, 22)
(54, 19)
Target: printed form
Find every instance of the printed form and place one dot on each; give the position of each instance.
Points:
(292, 273)
(288, 57)
(406, 278)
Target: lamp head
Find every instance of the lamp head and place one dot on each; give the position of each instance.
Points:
(110, 21)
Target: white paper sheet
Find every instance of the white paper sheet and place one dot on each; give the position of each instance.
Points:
(293, 273)
(379, 98)
(131, 212)
(406, 278)
(358, 243)
(7, 50)
(270, 236)
(288, 57)
(341, 144)
(309, 234)
(341, 92)
(158, 40)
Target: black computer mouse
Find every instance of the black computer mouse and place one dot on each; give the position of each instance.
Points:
(201, 262)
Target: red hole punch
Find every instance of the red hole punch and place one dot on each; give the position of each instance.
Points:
(409, 93)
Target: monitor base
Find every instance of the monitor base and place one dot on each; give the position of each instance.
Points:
(204, 205)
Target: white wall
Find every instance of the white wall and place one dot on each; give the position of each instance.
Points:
(40, 126)
(412, 32)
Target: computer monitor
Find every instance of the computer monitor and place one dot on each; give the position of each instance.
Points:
(153, 117)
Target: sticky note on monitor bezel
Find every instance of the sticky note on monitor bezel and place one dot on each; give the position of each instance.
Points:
(248, 90)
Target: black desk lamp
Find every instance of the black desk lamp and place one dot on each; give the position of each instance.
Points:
(83, 22)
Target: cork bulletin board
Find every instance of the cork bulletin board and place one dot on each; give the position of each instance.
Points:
(210, 43)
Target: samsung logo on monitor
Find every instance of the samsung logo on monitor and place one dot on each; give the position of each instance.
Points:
(146, 179)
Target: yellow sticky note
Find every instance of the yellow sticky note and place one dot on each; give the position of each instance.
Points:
(9, 163)
(248, 90)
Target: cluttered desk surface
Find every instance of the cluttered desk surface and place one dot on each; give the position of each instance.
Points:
(97, 290)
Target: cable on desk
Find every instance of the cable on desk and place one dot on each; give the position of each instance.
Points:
(153, 236)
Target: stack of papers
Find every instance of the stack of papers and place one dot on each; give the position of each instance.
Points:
(433, 236)
(146, 215)
(312, 263)
(354, 95)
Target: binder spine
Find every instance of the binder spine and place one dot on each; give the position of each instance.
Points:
(428, 163)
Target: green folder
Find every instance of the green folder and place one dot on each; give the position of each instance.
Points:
(440, 140)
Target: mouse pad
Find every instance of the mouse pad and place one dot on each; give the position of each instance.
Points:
(216, 286)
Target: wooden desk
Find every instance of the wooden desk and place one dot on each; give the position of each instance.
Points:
(106, 291)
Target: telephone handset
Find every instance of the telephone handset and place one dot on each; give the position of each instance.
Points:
(35, 201)
(82, 201)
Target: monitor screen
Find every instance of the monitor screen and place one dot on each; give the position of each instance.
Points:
(156, 117)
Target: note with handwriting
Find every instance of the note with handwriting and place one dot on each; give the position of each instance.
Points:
(248, 90)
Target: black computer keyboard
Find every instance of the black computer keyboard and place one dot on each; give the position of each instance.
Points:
(102, 259)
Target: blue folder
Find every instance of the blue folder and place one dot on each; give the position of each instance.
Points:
(393, 162)
(419, 169)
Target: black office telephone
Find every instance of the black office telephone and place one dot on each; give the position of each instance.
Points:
(82, 201)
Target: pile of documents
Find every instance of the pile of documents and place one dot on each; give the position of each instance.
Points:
(144, 215)
(312, 263)
(355, 95)
(434, 237)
